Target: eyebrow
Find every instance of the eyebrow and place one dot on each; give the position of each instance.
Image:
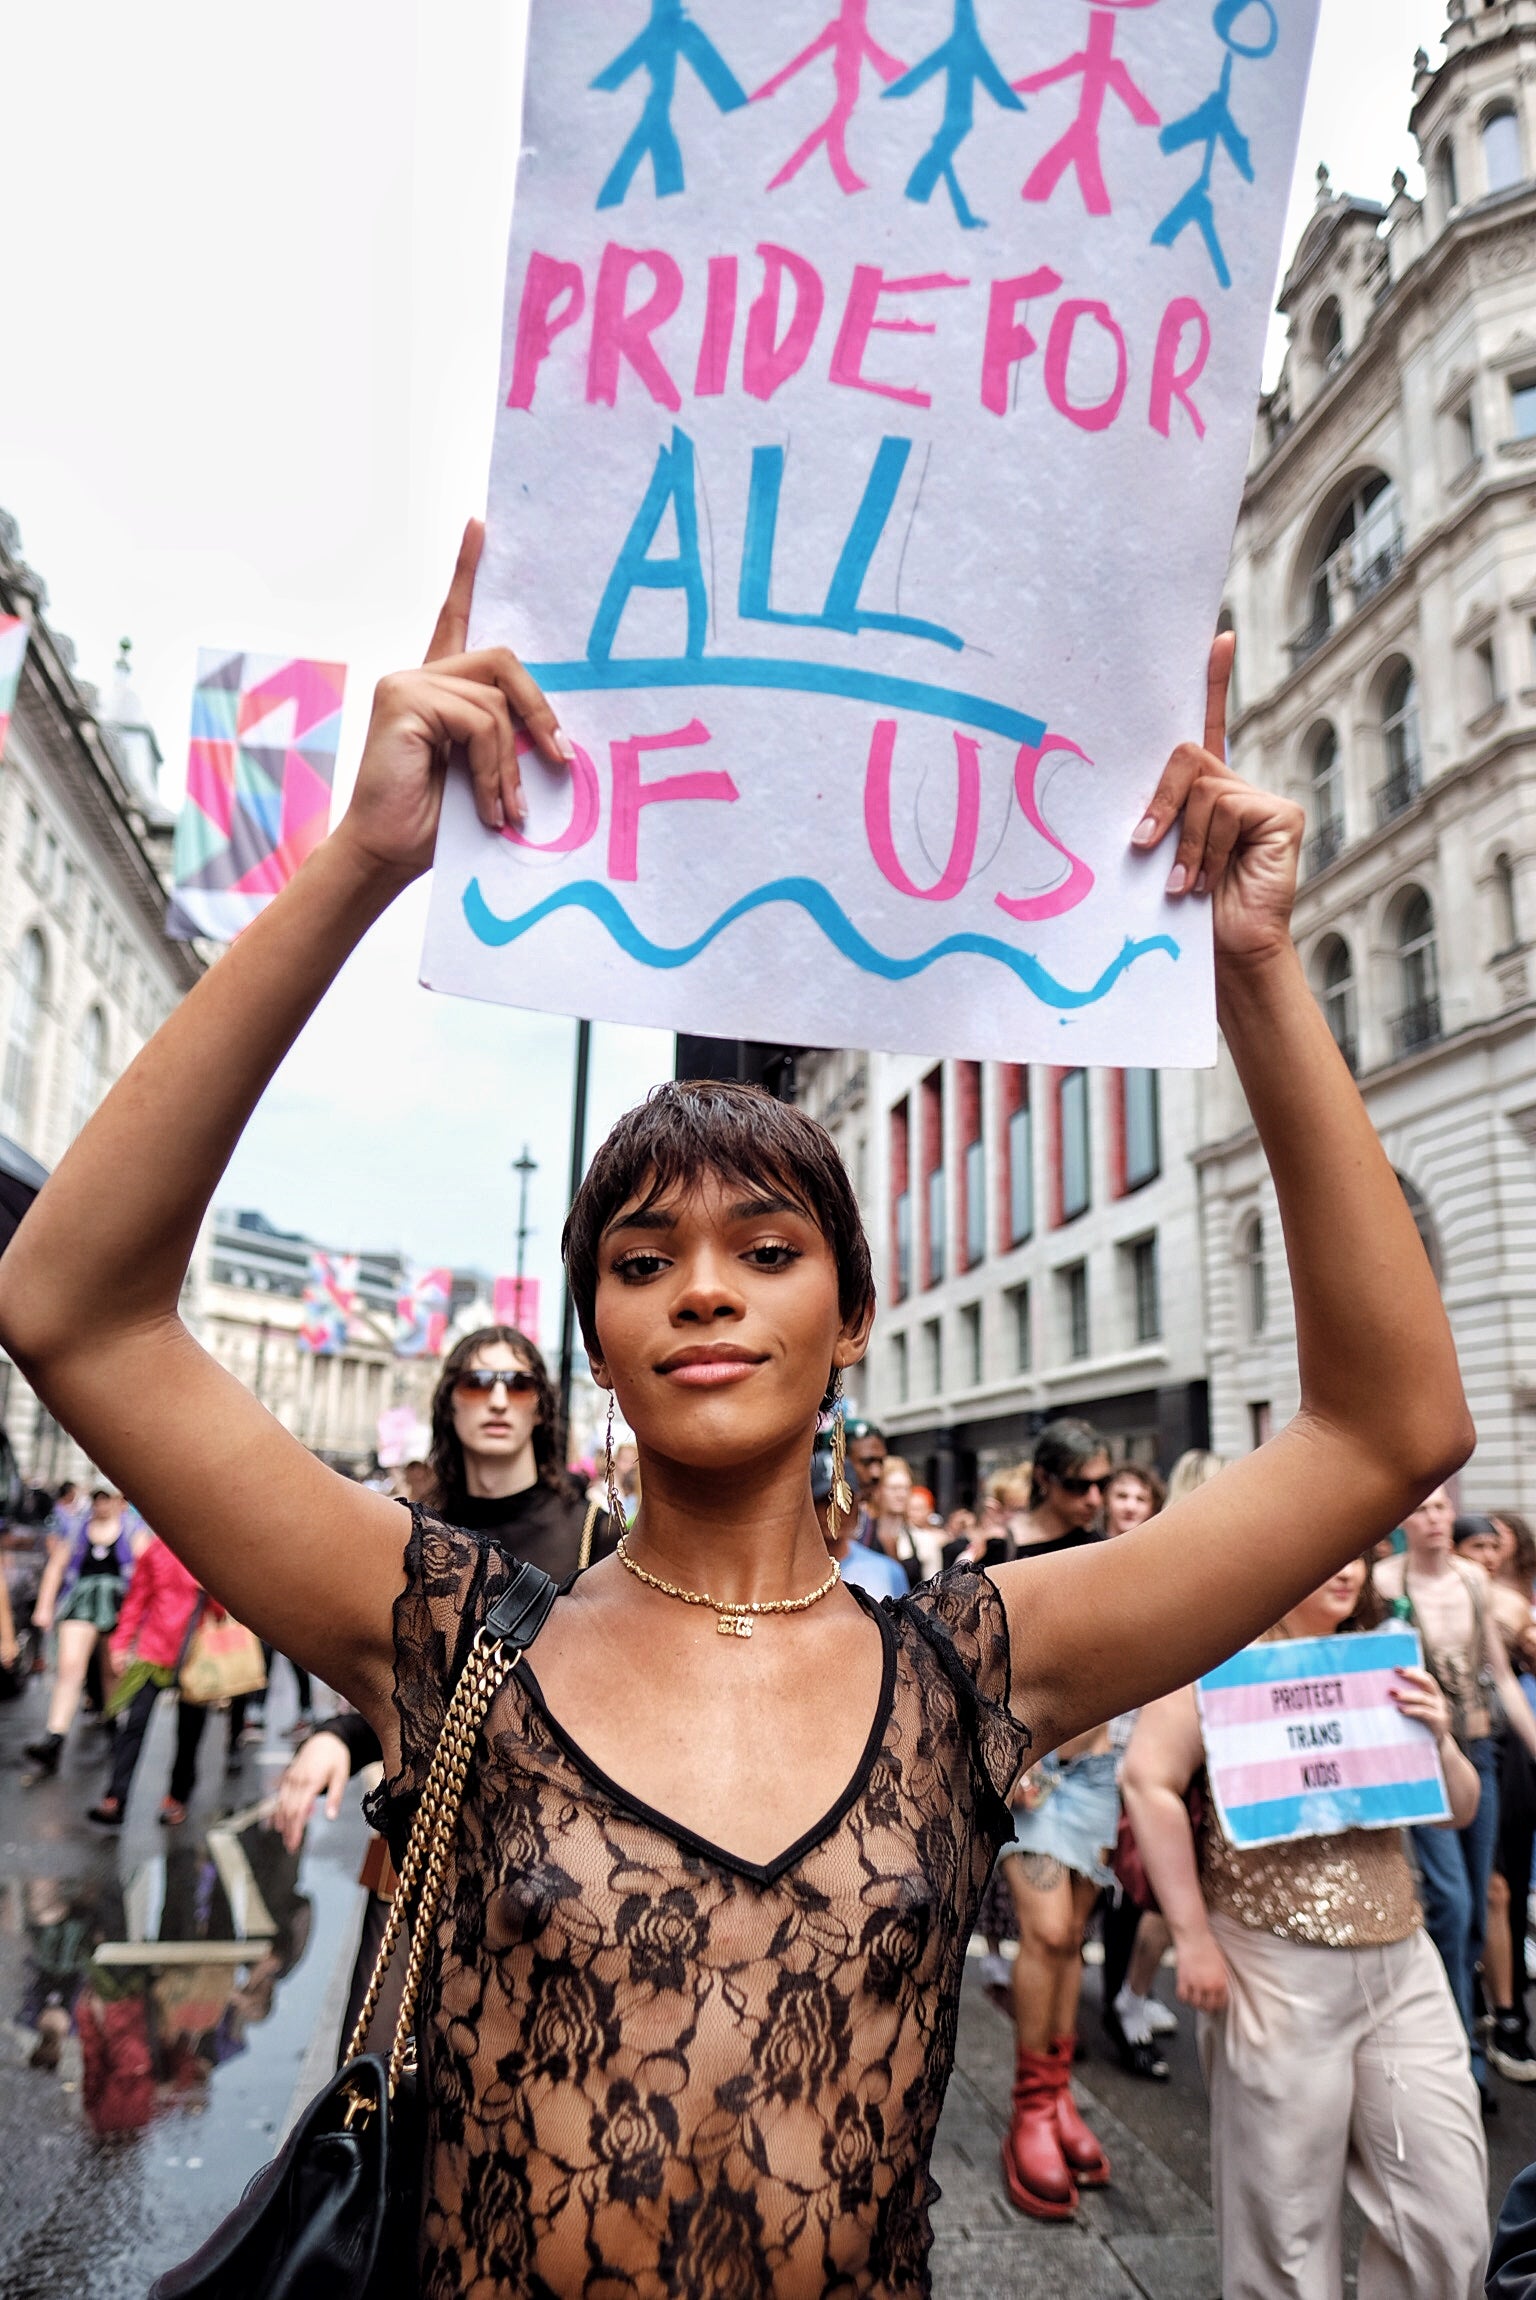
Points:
(654, 1218)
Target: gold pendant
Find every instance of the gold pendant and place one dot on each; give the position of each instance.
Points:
(733, 1625)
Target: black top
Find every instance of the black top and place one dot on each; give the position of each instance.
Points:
(1080, 1538)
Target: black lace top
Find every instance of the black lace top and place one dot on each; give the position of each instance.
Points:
(653, 2068)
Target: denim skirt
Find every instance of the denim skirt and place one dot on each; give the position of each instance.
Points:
(1078, 1819)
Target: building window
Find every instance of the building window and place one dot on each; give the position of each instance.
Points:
(1143, 1128)
(936, 1242)
(1255, 1278)
(1503, 161)
(970, 1345)
(1072, 1288)
(91, 1069)
(1329, 336)
(973, 1166)
(1018, 1155)
(1021, 1314)
(901, 1202)
(933, 1356)
(1464, 435)
(1418, 973)
(1362, 551)
(1072, 1107)
(1326, 774)
(1400, 743)
(1486, 694)
(1506, 906)
(1522, 407)
(1445, 176)
(1260, 1422)
(1146, 1294)
(1338, 996)
(18, 1084)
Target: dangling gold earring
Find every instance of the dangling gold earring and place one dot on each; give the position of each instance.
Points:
(615, 1506)
(841, 1505)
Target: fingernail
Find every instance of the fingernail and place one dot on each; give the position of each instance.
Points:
(498, 815)
(520, 811)
(565, 747)
(1146, 832)
(1201, 883)
(1178, 879)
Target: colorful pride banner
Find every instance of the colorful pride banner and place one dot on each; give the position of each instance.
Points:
(264, 735)
(423, 1315)
(877, 387)
(15, 630)
(515, 1302)
(1303, 1739)
(330, 1296)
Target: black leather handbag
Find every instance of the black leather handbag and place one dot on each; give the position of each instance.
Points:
(335, 2215)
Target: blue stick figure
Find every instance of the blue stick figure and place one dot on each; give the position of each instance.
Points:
(1212, 124)
(966, 63)
(670, 38)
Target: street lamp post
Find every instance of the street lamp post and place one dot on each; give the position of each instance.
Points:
(524, 1168)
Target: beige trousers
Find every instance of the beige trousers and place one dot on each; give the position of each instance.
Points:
(1335, 2069)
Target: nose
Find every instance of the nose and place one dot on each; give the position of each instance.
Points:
(707, 1289)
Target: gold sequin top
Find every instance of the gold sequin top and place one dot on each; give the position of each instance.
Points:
(1353, 1891)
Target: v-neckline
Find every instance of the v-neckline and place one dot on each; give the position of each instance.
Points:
(758, 1872)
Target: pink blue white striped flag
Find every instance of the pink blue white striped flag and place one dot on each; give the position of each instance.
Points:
(330, 1296)
(1303, 1739)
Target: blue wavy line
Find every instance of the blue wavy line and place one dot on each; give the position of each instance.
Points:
(813, 898)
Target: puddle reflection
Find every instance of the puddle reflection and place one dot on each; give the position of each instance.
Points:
(162, 1973)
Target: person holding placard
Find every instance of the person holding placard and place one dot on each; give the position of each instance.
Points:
(693, 1966)
(1331, 2046)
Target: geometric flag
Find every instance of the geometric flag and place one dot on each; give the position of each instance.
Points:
(515, 1302)
(13, 648)
(330, 1295)
(264, 735)
(423, 1314)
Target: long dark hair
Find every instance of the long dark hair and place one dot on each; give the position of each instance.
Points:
(445, 1458)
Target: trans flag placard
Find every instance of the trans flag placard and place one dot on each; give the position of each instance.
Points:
(1303, 1739)
(876, 390)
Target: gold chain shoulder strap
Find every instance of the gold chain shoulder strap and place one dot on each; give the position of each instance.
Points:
(489, 1665)
(584, 1554)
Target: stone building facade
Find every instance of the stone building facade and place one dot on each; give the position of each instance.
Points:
(86, 971)
(1383, 588)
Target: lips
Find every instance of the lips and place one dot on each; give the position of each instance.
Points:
(710, 1367)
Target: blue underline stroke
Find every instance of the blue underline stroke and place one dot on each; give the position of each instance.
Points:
(591, 895)
(794, 678)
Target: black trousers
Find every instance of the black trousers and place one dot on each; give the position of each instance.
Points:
(1517, 1840)
(132, 1725)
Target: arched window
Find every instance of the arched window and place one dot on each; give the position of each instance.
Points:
(19, 1083)
(1503, 160)
(1400, 743)
(1362, 550)
(1325, 772)
(1506, 904)
(90, 1068)
(1254, 1279)
(1418, 973)
(1444, 171)
(1337, 978)
(1328, 336)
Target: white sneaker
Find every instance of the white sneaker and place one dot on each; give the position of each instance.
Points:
(994, 1972)
(1159, 2019)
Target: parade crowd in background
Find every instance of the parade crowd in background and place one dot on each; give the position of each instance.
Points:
(1356, 1994)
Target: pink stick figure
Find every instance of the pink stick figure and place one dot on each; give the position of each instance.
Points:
(1102, 75)
(848, 40)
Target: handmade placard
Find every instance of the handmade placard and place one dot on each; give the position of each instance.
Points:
(876, 389)
(1303, 1739)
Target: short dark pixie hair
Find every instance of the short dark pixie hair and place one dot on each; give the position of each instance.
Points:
(691, 1129)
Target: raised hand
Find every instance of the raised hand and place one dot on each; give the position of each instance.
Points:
(479, 703)
(1240, 846)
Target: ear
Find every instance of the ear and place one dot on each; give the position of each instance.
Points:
(853, 1342)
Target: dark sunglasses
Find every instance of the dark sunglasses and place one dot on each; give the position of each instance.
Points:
(480, 1381)
(1078, 1486)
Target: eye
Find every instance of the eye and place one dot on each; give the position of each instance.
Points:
(635, 1268)
(773, 1254)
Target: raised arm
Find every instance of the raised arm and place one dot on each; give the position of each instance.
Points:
(90, 1286)
(1382, 1419)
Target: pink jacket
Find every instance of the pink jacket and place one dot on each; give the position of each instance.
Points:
(157, 1611)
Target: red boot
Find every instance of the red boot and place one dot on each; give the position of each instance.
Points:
(1086, 2161)
(1038, 2176)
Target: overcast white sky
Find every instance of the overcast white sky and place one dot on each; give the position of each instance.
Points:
(252, 319)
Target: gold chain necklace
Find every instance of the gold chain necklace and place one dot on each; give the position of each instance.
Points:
(731, 1620)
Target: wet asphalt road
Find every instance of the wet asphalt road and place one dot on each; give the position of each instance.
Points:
(182, 2063)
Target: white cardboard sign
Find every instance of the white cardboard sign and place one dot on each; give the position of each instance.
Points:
(876, 391)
